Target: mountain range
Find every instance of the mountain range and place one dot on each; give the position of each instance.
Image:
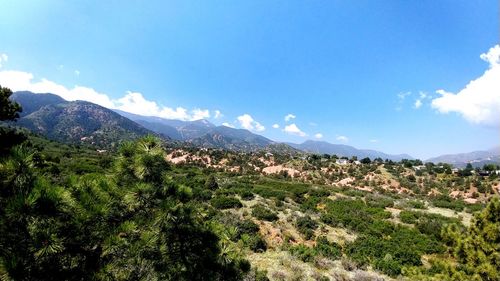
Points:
(340, 150)
(85, 122)
(476, 158)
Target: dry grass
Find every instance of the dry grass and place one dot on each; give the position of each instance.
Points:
(281, 265)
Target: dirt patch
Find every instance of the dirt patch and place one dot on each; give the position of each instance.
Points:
(278, 169)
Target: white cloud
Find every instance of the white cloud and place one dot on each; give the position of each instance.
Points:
(77, 72)
(418, 104)
(200, 114)
(3, 58)
(373, 140)
(276, 126)
(313, 124)
(227, 125)
(294, 130)
(132, 102)
(289, 117)
(343, 138)
(479, 101)
(247, 122)
(218, 114)
(492, 56)
(402, 96)
(318, 135)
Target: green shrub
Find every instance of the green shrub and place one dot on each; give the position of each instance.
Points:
(409, 217)
(263, 213)
(304, 253)
(247, 227)
(388, 266)
(328, 249)
(449, 203)
(306, 226)
(211, 183)
(246, 195)
(254, 242)
(416, 204)
(352, 214)
(379, 201)
(261, 275)
(224, 202)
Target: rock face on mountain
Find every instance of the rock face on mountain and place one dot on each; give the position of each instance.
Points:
(202, 133)
(322, 147)
(229, 138)
(75, 121)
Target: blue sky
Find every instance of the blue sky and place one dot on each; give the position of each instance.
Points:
(351, 71)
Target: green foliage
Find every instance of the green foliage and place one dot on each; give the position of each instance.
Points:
(246, 227)
(409, 217)
(386, 246)
(254, 242)
(134, 223)
(416, 204)
(328, 249)
(281, 189)
(211, 183)
(449, 203)
(403, 244)
(352, 214)
(304, 253)
(306, 226)
(261, 212)
(475, 250)
(224, 202)
(378, 201)
(9, 110)
(322, 248)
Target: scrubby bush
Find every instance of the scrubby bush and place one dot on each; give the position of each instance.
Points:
(224, 202)
(379, 201)
(409, 217)
(211, 183)
(328, 249)
(304, 253)
(416, 204)
(449, 203)
(246, 227)
(306, 226)
(246, 195)
(352, 214)
(254, 242)
(263, 213)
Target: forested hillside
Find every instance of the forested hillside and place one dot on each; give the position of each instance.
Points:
(150, 211)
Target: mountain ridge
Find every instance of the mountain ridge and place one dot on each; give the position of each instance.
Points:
(343, 150)
(477, 158)
(75, 121)
(72, 121)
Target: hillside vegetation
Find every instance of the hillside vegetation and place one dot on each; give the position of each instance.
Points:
(154, 211)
